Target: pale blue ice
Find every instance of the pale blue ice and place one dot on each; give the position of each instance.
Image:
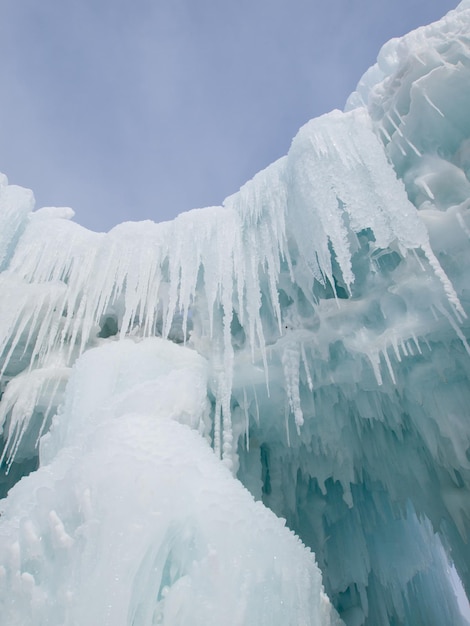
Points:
(257, 413)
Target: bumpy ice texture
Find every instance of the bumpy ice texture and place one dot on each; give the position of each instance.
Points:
(324, 315)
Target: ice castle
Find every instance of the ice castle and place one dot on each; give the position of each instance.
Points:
(256, 414)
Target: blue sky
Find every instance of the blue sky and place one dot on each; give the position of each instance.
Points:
(130, 110)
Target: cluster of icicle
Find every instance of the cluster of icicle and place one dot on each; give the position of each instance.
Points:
(61, 280)
(327, 300)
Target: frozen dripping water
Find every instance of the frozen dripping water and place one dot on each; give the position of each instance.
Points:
(322, 312)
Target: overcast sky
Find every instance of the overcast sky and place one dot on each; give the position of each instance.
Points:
(141, 109)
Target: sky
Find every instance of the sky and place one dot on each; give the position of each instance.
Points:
(142, 109)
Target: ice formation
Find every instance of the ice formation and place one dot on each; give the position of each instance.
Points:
(313, 331)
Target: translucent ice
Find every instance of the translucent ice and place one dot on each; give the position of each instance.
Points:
(157, 530)
(325, 359)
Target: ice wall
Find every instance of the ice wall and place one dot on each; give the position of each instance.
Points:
(131, 519)
(323, 310)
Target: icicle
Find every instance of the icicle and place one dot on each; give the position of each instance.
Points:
(418, 260)
(291, 362)
(384, 133)
(286, 422)
(247, 420)
(305, 364)
(394, 342)
(456, 329)
(53, 401)
(389, 365)
(394, 124)
(405, 348)
(217, 431)
(462, 223)
(256, 406)
(448, 287)
(413, 147)
(429, 101)
(374, 360)
(400, 147)
(419, 59)
(399, 117)
(20, 329)
(22, 396)
(273, 274)
(422, 183)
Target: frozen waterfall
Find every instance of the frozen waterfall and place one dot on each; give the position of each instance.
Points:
(259, 413)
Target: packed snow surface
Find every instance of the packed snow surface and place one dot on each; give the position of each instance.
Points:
(307, 342)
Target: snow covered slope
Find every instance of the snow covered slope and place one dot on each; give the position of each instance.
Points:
(324, 315)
